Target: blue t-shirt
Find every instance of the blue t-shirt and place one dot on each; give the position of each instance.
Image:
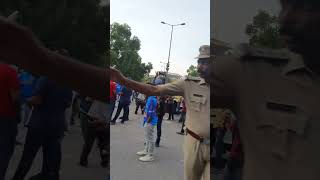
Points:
(125, 98)
(118, 88)
(158, 81)
(27, 84)
(49, 116)
(151, 110)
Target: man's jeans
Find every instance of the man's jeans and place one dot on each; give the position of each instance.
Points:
(111, 109)
(149, 138)
(51, 148)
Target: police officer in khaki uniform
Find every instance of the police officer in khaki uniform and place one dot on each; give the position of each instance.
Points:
(196, 93)
(275, 95)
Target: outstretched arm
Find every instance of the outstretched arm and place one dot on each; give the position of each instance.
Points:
(137, 86)
(19, 46)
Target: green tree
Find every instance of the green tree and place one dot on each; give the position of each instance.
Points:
(148, 67)
(264, 31)
(124, 49)
(192, 71)
(81, 27)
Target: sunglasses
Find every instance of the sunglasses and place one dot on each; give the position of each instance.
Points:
(205, 61)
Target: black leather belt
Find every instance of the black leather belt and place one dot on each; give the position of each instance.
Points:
(199, 138)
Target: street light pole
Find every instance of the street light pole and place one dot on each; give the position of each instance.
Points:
(167, 69)
(168, 63)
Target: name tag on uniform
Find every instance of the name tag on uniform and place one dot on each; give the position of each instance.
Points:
(281, 107)
(197, 95)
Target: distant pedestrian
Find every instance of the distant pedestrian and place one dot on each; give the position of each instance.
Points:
(113, 98)
(149, 123)
(160, 113)
(124, 103)
(140, 102)
(27, 82)
(183, 117)
(170, 106)
(9, 114)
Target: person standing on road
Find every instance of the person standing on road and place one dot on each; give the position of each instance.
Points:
(113, 98)
(9, 114)
(160, 113)
(183, 117)
(27, 81)
(140, 102)
(170, 106)
(96, 128)
(124, 103)
(149, 123)
(46, 129)
(196, 92)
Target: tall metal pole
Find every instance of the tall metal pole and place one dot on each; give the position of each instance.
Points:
(168, 64)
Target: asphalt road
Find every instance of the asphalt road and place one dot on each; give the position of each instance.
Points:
(71, 149)
(128, 138)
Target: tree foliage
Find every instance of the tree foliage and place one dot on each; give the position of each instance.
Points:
(192, 71)
(124, 49)
(81, 26)
(264, 31)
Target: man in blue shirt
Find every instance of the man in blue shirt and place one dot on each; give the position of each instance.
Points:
(46, 129)
(124, 103)
(27, 82)
(149, 123)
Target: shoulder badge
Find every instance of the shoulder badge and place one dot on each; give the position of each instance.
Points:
(191, 78)
(246, 52)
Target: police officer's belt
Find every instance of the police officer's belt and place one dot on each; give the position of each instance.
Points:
(196, 136)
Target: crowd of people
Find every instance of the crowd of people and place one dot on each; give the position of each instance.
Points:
(40, 104)
(152, 109)
(278, 126)
(226, 147)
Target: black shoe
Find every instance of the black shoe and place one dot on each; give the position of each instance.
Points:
(135, 113)
(122, 122)
(120, 117)
(83, 163)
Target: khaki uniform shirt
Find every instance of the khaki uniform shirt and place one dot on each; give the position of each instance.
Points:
(276, 99)
(196, 93)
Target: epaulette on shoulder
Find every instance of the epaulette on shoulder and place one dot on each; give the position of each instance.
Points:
(252, 53)
(191, 78)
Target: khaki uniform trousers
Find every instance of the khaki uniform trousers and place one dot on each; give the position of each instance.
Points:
(196, 159)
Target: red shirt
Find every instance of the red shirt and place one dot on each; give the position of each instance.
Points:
(8, 82)
(112, 91)
(236, 148)
(184, 108)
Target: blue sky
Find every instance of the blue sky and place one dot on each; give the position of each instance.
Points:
(144, 17)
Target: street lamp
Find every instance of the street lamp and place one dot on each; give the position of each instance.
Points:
(172, 25)
(163, 65)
